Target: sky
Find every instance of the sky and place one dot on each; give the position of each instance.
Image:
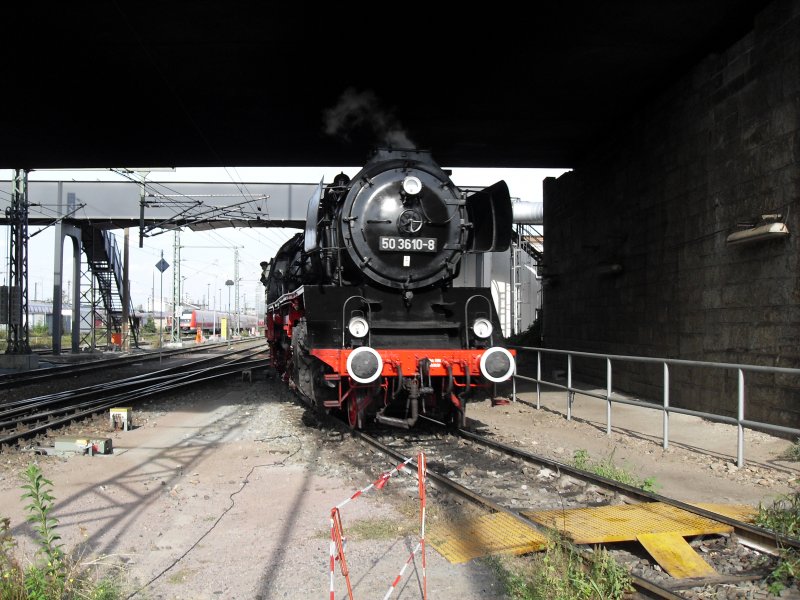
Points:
(207, 258)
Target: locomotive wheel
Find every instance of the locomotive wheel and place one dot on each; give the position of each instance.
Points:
(353, 419)
(355, 414)
(301, 361)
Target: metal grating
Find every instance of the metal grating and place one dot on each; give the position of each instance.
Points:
(740, 512)
(496, 533)
(660, 528)
(624, 523)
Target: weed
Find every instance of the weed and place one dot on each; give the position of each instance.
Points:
(55, 574)
(606, 468)
(562, 573)
(783, 517)
(41, 504)
(381, 529)
(786, 572)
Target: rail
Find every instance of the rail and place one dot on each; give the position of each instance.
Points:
(611, 397)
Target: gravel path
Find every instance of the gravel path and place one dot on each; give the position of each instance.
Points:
(225, 492)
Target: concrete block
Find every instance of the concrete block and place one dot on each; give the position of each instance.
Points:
(84, 444)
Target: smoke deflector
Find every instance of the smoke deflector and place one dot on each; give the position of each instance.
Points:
(491, 214)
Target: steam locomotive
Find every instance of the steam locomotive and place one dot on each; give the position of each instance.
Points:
(362, 315)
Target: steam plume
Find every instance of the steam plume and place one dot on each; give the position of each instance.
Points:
(362, 110)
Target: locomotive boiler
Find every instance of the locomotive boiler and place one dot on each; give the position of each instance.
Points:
(362, 315)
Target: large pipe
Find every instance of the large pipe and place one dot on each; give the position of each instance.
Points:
(530, 213)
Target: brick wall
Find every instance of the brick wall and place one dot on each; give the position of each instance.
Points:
(636, 259)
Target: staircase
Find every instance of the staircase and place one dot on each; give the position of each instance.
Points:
(527, 252)
(105, 263)
(528, 239)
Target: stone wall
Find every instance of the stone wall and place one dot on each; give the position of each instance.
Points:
(636, 259)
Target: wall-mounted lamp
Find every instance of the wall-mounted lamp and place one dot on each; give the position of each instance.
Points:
(759, 233)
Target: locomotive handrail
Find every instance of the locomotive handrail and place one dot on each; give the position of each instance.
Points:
(285, 297)
(664, 406)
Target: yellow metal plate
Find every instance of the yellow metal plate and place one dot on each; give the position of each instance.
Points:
(496, 533)
(624, 523)
(675, 555)
(740, 512)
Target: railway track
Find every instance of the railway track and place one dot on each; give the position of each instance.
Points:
(492, 478)
(15, 379)
(24, 418)
(498, 479)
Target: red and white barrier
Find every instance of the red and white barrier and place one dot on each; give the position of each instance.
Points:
(339, 541)
(400, 574)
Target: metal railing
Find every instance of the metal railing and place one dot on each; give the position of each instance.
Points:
(611, 397)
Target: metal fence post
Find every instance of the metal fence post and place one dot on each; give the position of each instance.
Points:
(665, 442)
(739, 426)
(608, 396)
(570, 394)
(538, 379)
(514, 385)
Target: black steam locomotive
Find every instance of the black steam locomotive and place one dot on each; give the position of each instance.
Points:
(362, 315)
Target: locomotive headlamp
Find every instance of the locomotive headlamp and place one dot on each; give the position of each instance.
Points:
(364, 364)
(482, 328)
(358, 327)
(497, 364)
(412, 185)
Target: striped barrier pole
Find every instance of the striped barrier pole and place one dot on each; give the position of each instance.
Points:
(422, 469)
(400, 574)
(337, 552)
(338, 540)
(378, 483)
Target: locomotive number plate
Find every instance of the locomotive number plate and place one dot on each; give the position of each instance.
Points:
(394, 243)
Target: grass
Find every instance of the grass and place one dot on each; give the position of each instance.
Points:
(606, 468)
(380, 529)
(53, 574)
(783, 517)
(561, 572)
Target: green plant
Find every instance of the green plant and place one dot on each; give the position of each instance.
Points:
(783, 517)
(786, 572)
(561, 572)
(55, 575)
(606, 468)
(12, 582)
(150, 326)
(39, 509)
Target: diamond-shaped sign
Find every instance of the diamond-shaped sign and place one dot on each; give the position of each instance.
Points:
(162, 265)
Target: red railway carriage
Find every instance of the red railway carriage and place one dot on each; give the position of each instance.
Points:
(209, 321)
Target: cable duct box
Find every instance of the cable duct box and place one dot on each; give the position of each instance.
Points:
(760, 233)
